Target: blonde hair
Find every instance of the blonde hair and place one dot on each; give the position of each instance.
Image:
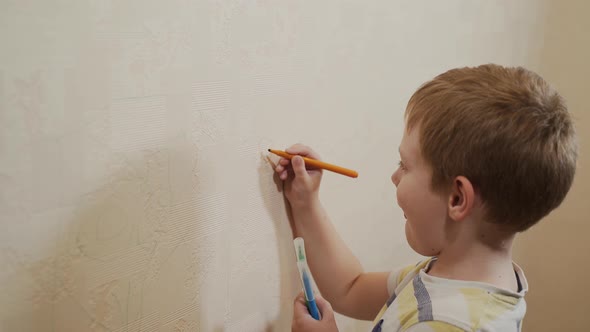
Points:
(505, 129)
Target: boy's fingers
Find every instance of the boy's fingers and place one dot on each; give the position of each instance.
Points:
(284, 161)
(299, 307)
(297, 149)
(324, 306)
(300, 298)
(302, 150)
(299, 167)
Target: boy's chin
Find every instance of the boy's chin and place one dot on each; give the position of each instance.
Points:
(411, 240)
(417, 247)
(423, 251)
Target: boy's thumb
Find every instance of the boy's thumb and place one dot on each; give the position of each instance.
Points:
(298, 166)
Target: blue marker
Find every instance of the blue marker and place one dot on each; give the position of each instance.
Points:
(306, 278)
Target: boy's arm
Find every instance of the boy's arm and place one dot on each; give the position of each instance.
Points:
(337, 272)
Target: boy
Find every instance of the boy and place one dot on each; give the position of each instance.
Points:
(487, 152)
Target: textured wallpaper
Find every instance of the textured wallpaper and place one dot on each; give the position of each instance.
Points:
(136, 193)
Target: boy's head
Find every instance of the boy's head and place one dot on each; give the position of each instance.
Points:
(505, 130)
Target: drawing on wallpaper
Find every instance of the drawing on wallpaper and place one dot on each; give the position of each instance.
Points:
(109, 206)
(143, 187)
(109, 304)
(135, 305)
(160, 317)
(51, 282)
(117, 304)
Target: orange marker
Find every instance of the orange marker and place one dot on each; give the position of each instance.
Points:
(318, 164)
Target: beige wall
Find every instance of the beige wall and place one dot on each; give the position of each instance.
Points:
(134, 190)
(556, 253)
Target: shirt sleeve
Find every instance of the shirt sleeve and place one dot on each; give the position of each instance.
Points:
(434, 326)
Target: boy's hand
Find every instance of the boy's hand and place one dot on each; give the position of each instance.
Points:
(302, 320)
(301, 185)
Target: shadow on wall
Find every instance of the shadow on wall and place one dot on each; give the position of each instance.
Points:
(274, 204)
(270, 188)
(118, 263)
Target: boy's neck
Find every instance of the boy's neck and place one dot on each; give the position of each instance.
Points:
(469, 256)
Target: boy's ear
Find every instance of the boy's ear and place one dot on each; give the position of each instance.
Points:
(461, 198)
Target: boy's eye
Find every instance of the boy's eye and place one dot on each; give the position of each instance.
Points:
(401, 166)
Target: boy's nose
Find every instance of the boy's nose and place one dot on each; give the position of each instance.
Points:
(395, 178)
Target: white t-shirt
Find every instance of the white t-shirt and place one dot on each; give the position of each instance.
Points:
(420, 302)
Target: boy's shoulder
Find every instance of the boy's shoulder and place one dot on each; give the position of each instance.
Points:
(399, 278)
(405, 274)
(418, 298)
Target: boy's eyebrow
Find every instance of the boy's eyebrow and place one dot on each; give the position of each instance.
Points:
(402, 155)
